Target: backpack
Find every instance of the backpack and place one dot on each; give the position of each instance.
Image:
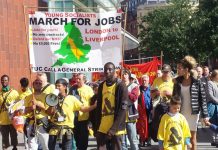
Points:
(160, 110)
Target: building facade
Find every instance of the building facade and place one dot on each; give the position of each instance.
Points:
(14, 58)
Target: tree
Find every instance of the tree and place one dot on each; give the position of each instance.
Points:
(203, 31)
(178, 30)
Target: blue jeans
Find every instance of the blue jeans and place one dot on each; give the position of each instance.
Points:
(132, 136)
(65, 145)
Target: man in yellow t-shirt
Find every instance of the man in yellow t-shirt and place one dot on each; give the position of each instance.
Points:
(7, 96)
(47, 88)
(164, 84)
(84, 93)
(62, 117)
(35, 107)
(174, 132)
(111, 110)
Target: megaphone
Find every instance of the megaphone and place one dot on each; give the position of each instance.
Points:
(51, 100)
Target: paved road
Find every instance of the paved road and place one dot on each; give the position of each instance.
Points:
(203, 142)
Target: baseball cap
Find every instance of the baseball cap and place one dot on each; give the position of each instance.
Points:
(166, 68)
(133, 76)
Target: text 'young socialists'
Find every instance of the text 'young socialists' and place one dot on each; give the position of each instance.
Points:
(78, 21)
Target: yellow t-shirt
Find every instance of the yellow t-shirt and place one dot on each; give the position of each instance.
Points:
(39, 113)
(49, 89)
(163, 85)
(172, 131)
(13, 96)
(86, 94)
(23, 95)
(108, 107)
(70, 104)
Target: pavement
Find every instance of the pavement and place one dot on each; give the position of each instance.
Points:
(203, 137)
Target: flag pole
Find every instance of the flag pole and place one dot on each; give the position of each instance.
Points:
(124, 34)
(30, 65)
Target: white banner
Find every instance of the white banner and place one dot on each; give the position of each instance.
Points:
(74, 41)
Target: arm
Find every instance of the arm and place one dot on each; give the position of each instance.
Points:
(160, 143)
(88, 109)
(214, 128)
(203, 102)
(210, 93)
(50, 111)
(133, 95)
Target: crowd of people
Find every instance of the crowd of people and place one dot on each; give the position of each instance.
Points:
(122, 113)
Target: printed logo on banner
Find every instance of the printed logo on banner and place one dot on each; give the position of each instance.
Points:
(72, 47)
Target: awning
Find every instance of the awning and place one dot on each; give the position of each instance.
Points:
(131, 42)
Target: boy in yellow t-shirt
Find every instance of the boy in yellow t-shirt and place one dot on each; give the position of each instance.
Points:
(174, 132)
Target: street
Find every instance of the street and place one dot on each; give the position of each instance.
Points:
(203, 137)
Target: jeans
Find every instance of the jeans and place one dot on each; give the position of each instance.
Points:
(132, 136)
(54, 145)
(42, 137)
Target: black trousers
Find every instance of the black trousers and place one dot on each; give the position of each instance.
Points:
(5, 131)
(81, 134)
(104, 142)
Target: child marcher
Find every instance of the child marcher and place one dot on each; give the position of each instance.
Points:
(174, 132)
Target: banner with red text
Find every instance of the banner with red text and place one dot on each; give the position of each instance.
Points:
(149, 68)
(74, 41)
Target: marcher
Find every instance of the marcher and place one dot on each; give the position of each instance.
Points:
(7, 96)
(164, 84)
(35, 108)
(212, 103)
(144, 108)
(62, 117)
(23, 93)
(111, 110)
(24, 89)
(84, 94)
(193, 97)
(174, 132)
(132, 115)
(47, 87)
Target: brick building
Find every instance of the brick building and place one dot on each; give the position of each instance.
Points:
(14, 60)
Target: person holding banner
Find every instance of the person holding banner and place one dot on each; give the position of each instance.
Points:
(35, 107)
(7, 96)
(62, 117)
(112, 104)
(47, 88)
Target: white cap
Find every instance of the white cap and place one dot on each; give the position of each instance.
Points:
(133, 76)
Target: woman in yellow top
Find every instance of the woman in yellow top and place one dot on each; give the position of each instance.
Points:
(62, 117)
